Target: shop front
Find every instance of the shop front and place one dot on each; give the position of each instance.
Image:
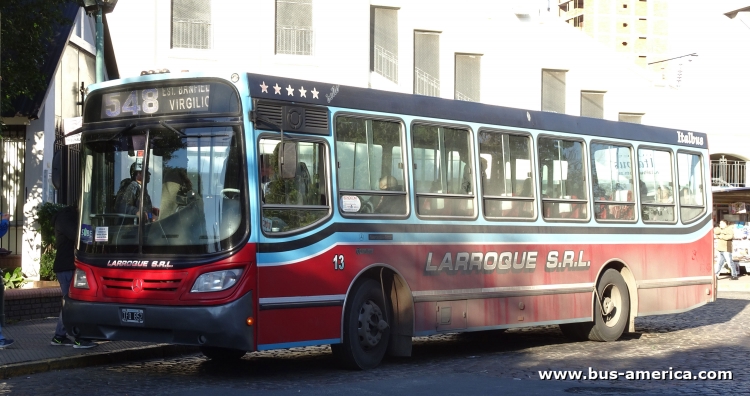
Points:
(733, 205)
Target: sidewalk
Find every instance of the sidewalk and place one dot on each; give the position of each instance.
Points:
(726, 284)
(32, 353)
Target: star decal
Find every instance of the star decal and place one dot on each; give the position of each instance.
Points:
(302, 92)
(315, 93)
(277, 89)
(289, 90)
(264, 87)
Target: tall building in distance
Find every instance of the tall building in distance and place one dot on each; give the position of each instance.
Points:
(635, 27)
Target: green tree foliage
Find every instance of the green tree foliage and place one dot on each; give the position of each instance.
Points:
(28, 28)
(45, 213)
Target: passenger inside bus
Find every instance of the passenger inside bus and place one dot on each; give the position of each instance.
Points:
(267, 174)
(177, 190)
(390, 204)
(128, 199)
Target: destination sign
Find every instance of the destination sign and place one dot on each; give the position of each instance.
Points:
(156, 101)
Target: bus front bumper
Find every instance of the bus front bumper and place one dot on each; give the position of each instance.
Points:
(215, 326)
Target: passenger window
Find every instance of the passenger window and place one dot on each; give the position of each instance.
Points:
(370, 166)
(563, 179)
(297, 196)
(612, 180)
(443, 176)
(655, 185)
(692, 203)
(507, 182)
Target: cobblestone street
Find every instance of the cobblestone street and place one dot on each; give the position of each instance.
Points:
(713, 337)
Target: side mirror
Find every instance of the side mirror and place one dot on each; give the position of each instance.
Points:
(57, 165)
(289, 167)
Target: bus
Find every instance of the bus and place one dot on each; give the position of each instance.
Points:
(250, 212)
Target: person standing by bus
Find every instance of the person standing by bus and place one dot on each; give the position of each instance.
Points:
(4, 225)
(724, 234)
(66, 235)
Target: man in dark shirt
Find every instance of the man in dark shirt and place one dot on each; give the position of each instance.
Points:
(129, 196)
(66, 235)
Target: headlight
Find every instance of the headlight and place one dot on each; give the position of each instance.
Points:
(79, 279)
(216, 281)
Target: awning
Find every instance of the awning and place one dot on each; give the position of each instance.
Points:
(727, 195)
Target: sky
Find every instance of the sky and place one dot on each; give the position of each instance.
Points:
(714, 93)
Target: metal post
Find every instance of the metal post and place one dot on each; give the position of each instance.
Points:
(99, 46)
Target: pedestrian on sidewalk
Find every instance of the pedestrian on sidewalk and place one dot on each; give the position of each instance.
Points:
(66, 235)
(4, 225)
(724, 235)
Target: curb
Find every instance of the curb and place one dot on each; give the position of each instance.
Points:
(94, 359)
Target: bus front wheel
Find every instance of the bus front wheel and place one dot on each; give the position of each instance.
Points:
(366, 328)
(222, 354)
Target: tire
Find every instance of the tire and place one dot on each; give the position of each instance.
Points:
(366, 330)
(222, 354)
(615, 297)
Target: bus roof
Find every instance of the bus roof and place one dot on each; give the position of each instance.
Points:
(327, 94)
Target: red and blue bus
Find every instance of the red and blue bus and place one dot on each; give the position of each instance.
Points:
(251, 212)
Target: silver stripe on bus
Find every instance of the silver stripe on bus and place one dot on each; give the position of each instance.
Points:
(283, 300)
(499, 292)
(674, 282)
(336, 300)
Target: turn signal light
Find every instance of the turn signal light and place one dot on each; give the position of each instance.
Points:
(250, 321)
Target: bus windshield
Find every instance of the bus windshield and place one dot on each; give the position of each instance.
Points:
(162, 191)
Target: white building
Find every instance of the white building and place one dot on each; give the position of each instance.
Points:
(504, 53)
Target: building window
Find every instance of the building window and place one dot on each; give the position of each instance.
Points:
(384, 50)
(468, 72)
(569, 5)
(576, 22)
(294, 30)
(630, 117)
(592, 104)
(426, 63)
(553, 91)
(191, 24)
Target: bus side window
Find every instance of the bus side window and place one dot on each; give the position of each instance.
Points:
(508, 185)
(442, 157)
(561, 167)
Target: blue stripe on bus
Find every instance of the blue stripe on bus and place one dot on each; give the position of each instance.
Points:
(413, 233)
(300, 344)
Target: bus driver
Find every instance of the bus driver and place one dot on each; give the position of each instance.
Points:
(128, 198)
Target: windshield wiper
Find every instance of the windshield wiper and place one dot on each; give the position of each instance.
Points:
(127, 128)
(165, 125)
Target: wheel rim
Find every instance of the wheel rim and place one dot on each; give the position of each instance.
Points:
(611, 305)
(368, 329)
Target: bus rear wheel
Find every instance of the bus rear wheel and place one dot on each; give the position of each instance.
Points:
(611, 312)
(222, 354)
(366, 328)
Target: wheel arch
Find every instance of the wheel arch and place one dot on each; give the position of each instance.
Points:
(401, 301)
(620, 266)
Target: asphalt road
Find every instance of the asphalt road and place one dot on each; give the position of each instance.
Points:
(715, 337)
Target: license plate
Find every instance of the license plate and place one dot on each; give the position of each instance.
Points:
(132, 315)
